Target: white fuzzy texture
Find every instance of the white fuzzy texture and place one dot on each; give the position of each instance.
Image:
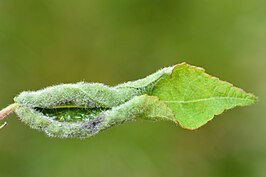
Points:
(125, 102)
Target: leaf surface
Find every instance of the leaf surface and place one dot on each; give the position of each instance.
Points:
(195, 97)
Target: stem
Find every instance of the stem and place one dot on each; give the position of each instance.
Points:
(3, 125)
(8, 110)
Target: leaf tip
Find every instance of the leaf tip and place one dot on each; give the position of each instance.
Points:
(253, 98)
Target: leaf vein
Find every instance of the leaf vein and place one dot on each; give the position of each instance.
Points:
(205, 99)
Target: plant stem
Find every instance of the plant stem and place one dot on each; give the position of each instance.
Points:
(8, 110)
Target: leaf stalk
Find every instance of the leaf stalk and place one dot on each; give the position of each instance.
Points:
(6, 111)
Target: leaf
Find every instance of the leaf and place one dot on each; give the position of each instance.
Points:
(182, 94)
(195, 97)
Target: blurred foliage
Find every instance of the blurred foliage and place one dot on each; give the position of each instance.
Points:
(46, 42)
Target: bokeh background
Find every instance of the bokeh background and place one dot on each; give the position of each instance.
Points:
(46, 42)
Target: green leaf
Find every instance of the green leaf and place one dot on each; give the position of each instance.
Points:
(183, 94)
(195, 97)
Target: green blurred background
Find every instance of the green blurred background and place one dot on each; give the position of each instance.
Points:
(46, 42)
